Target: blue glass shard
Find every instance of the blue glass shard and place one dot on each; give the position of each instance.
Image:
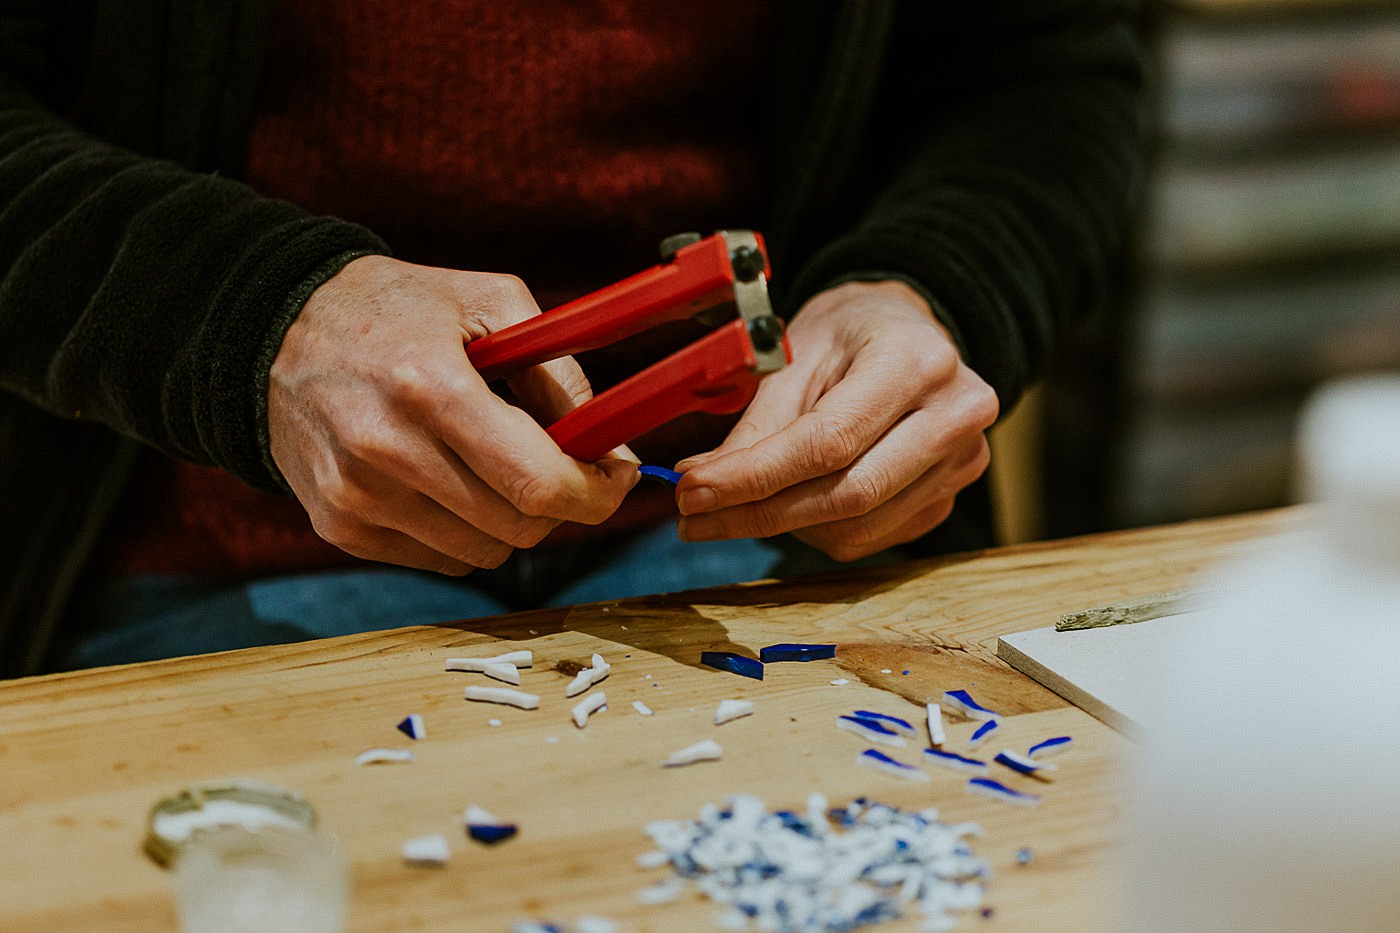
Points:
(885, 719)
(491, 833)
(659, 474)
(1059, 743)
(733, 663)
(796, 652)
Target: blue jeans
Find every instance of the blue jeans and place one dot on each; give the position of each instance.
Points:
(144, 618)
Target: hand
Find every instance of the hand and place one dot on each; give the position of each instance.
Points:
(395, 446)
(861, 444)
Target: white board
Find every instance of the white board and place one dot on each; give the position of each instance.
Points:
(1110, 672)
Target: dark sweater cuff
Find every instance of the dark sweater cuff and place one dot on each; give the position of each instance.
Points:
(281, 273)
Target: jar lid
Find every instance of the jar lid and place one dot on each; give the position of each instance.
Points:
(174, 820)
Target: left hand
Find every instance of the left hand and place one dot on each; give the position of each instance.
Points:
(859, 445)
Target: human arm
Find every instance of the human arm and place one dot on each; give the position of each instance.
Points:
(1004, 153)
(861, 444)
(141, 294)
(397, 448)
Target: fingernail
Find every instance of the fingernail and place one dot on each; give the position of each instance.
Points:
(616, 468)
(697, 499)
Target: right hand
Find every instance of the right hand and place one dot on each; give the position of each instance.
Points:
(394, 445)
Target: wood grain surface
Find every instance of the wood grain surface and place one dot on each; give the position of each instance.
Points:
(84, 755)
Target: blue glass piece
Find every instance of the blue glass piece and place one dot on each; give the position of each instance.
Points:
(954, 758)
(884, 717)
(659, 474)
(1058, 743)
(963, 701)
(872, 725)
(411, 726)
(733, 663)
(1015, 763)
(881, 757)
(986, 727)
(796, 652)
(1000, 789)
(491, 833)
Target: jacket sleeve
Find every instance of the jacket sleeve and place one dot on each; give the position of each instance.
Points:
(1007, 147)
(140, 294)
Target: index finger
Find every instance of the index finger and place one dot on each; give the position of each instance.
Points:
(842, 424)
(511, 453)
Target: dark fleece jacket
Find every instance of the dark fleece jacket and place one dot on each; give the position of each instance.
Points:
(984, 153)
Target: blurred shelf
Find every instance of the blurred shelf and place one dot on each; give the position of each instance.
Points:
(1227, 82)
(1270, 251)
(1256, 335)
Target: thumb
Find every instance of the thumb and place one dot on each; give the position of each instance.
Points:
(777, 403)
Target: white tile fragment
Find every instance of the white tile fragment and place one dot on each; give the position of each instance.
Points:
(505, 673)
(840, 682)
(732, 709)
(983, 732)
(427, 851)
(936, 735)
(732, 919)
(642, 708)
(493, 723)
(588, 676)
(708, 750)
(654, 858)
(384, 756)
(663, 892)
(592, 923)
(588, 706)
(513, 658)
(503, 695)
(871, 731)
(879, 761)
(842, 869)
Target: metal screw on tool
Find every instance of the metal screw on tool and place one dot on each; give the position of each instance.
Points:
(766, 333)
(747, 262)
(676, 242)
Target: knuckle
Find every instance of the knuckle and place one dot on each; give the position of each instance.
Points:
(981, 458)
(858, 534)
(489, 556)
(839, 549)
(763, 519)
(861, 491)
(985, 405)
(527, 532)
(350, 536)
(939, 513)
(836, 444)
(415, 386)
(537, 495)
(510, 293)
(343, 496)
(935, 368)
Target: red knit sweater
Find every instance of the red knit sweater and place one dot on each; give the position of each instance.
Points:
(557, 140)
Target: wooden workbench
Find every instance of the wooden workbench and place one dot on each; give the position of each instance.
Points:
(84, 755)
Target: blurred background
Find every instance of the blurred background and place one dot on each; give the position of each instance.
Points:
(1267, 261)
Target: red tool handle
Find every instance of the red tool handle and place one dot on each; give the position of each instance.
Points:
(715, 374)
(698, 277)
